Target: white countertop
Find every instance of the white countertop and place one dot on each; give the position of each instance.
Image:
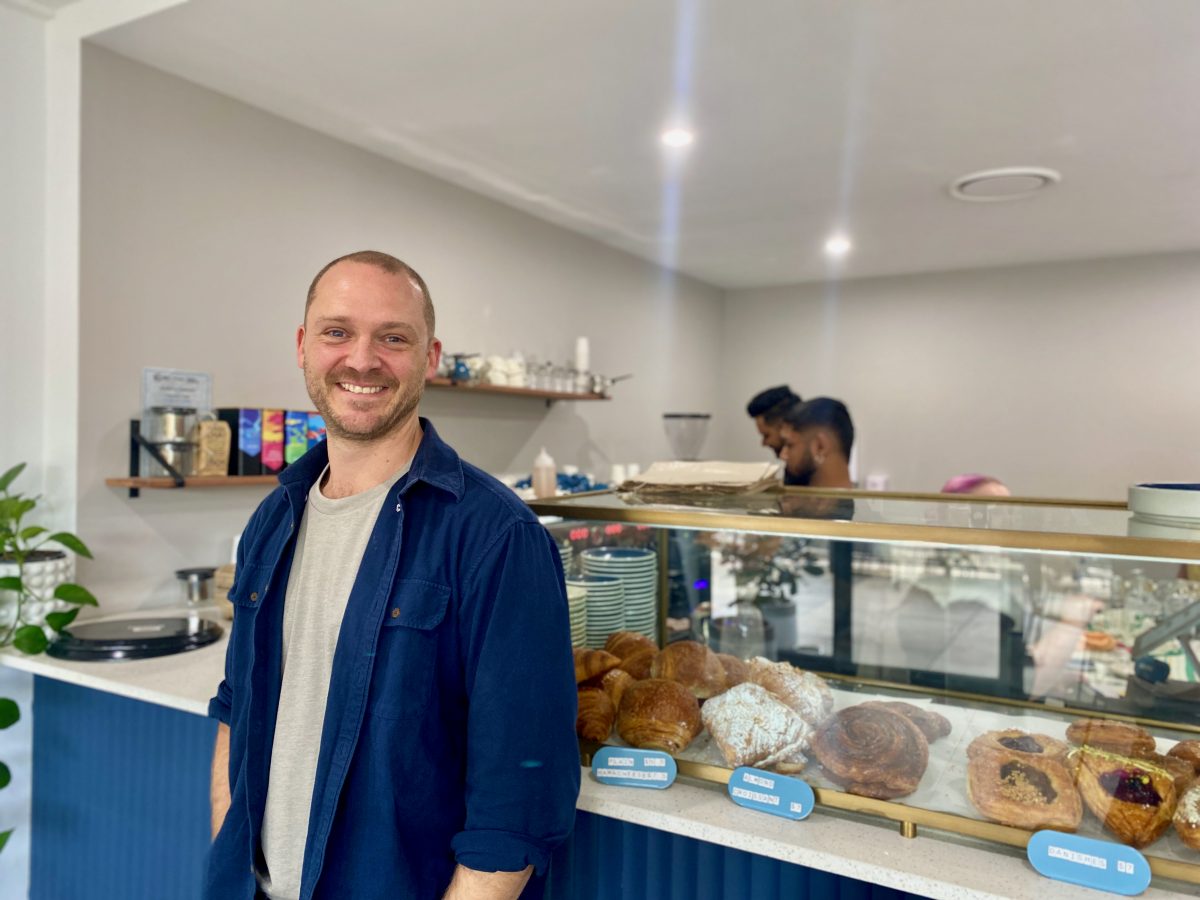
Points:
(934, 866)
(183, 681)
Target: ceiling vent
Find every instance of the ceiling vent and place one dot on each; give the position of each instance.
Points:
(995, 185)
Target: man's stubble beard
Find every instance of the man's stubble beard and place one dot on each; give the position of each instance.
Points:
(407, 399)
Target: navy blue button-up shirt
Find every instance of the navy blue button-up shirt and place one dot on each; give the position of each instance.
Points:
(449, 731)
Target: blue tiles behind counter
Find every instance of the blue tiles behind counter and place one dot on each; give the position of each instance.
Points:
(120, 812)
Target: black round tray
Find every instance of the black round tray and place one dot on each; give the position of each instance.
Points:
(132, 639)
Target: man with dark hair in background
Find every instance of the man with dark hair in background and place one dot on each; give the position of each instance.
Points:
(817, 437)
(766, 408)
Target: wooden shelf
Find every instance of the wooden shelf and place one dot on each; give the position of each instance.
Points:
(195, 481)
(468, 388)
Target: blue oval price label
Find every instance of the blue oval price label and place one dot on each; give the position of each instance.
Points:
(1088, 862)
(779, 795)
(629, 767)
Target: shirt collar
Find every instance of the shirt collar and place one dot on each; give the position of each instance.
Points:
(435, 463)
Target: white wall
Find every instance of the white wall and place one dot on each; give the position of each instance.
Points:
(1073, 379)
(204, 220)
(22, 177)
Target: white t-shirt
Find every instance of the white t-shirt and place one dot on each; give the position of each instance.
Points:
(329, 548)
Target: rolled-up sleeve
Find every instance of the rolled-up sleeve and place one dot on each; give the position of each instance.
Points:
(522, 778)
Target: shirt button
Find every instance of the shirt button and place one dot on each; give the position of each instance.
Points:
(396, 612)
(254, 596)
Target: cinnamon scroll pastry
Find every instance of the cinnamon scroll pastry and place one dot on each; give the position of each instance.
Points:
(1134, 799)
(1023, 743)
(933, 725)
(1189, 751)
(872, 752)
(1016, 788)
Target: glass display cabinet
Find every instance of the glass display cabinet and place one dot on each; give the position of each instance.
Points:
(981, 666)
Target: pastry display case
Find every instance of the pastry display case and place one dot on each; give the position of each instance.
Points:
(980, 666)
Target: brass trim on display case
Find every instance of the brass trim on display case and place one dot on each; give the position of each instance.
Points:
(910, 817)
(949, 498)
(1054, 542)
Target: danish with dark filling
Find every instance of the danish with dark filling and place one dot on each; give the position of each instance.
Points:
(1116, 737)
(1133, 798)
(1022, 743)
(872, 752)
(1015, 788)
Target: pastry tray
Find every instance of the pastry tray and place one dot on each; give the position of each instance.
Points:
(943, 787)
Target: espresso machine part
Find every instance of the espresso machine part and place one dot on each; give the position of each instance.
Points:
(197, 583)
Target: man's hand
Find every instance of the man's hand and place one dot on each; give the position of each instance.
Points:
(467, 884)
(219, 785)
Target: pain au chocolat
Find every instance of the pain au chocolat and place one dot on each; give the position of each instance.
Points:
(1132, 797)
(872, 751)
(1019, 789)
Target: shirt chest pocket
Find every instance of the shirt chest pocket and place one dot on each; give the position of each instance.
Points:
(406, 657)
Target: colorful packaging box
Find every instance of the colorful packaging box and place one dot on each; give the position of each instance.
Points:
(295, 435)
(316, 429)
(272, 441)
(245, 425)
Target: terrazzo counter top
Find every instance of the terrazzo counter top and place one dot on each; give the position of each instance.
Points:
(183, 681)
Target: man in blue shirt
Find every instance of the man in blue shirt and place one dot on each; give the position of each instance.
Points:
(398, 709)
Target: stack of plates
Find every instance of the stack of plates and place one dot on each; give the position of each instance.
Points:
(638, 571)
(567, 554)
(605, 606)
(577, 604)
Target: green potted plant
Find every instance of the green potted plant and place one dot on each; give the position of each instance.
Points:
(36, 599)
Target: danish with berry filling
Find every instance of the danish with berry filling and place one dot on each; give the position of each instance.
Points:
(1023, 743)
(1134, 799)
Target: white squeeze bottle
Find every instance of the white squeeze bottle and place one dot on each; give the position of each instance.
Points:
(545, 475)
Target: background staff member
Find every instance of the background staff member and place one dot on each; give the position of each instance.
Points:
(818, 436)
(398, 709)
(766, 408)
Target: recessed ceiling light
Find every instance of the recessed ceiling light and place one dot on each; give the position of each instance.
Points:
(677, 137)
(994, 185)
(837, 246)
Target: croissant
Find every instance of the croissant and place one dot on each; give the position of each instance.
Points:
(1015, 788)
(623, 644)
(693, 665)
(614, 682)
(594, 721)
(806, 693)
(1116, 737)
(657, 714)
(736, 670)
(590, 663)
(1133, 798)
(753, 727)
(638, 663)
(1187, 817)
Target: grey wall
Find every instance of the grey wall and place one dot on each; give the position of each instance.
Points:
(1072, 379)
(203, 221)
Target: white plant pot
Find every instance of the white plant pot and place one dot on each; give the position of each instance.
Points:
(42, 576)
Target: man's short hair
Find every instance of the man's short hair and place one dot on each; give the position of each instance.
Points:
(771, 403)
(389, 264)
(824, 412)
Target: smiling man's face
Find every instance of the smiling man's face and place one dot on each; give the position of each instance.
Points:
(365, 351)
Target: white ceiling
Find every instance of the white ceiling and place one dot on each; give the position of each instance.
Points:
(810, 115)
